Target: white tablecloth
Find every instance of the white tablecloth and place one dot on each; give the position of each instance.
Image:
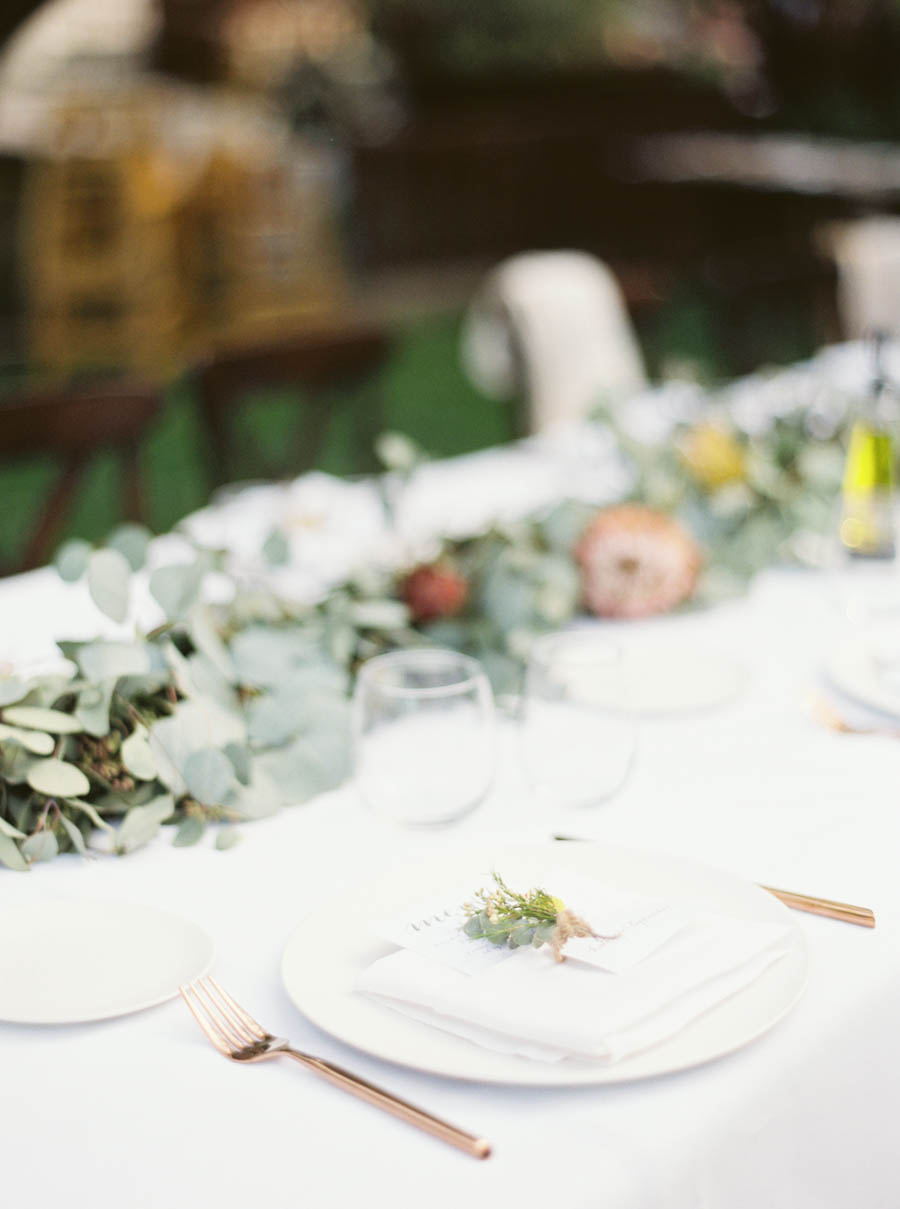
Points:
(140, 1111)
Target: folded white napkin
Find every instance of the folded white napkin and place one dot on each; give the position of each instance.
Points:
(533, 1006)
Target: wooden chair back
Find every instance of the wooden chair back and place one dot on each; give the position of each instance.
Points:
(319, 363)
(72, 425)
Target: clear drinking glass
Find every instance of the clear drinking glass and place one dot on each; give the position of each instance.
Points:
(577, 733)
(424, 735)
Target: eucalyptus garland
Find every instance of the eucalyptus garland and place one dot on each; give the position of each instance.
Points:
(223, 714)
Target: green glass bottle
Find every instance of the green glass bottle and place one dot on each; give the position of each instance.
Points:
(867, 512)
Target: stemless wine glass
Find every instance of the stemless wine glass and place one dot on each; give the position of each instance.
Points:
(577, 733)
(424, 735)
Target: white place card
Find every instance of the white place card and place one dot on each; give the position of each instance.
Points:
(629, 926)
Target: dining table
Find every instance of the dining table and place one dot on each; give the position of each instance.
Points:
(139, 1110)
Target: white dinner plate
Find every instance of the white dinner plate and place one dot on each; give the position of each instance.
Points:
(69, 962)
(675, 680)
(328, 951)
(857, 670)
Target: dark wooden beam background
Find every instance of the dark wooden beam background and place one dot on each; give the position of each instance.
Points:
(13, 13)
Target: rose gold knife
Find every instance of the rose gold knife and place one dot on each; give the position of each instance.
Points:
(847, 912)
(825, 906)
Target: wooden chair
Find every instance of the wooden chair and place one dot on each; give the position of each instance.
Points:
(72, 425)
(319, 362)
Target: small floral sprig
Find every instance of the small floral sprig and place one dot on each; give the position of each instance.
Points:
(504, 917)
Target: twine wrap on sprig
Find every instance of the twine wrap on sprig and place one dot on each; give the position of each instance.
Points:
(507, 918)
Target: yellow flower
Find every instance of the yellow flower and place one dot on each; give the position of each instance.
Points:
(713, 457)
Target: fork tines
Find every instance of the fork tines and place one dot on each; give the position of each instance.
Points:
(225, 1022)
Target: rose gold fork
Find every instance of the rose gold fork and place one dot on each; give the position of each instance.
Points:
(239, 1037)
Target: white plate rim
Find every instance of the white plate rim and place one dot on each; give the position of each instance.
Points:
(851, 670)
(308, 972)
(125, 1005)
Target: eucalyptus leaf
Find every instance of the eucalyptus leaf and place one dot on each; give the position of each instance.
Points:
(209, 776)
(448, 632)
(208, 682)
(202, 630)
(276, 549)
(119, 803)
(109, 581)
(189, 832)
(35, 717)
(71, 559)
(87, 809)
(564, 524)
(132, 542)
(265, 655)
(22, 810)
(112, 803)
(35, 741)
(193, 726)
(130, 688)
(241, 761)
(379, 614)
(179, 669)
(41, 846)
(559, 587)
(102, 660)
(92, 708)
(175, 588)
(227, 838)
(257, 800)
(10, 856)
(341, 642)
(302, 770)
(11, 690)
(138, 757)
(13, 832)
(142, 823)
(161, 747)
(74, 834)
(44, 691)
(57, 779)
(268, 723)
(323, 678)
(15, 764)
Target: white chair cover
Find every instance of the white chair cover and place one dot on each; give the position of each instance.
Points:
(867, 254)
(553, 328)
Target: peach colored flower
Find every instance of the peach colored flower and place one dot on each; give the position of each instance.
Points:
(635, 562)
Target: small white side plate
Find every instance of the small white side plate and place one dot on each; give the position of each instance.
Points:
(69, 962)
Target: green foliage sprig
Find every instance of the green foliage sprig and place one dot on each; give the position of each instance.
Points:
(512, 920)
(505, 917)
